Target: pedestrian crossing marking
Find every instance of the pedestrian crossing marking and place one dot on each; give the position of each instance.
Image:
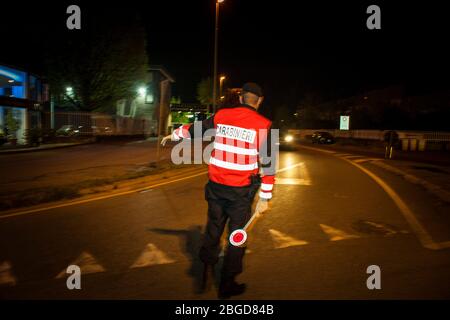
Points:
(6, 276)
(151, 256)
(293, 181)
(336, 234)
(87, 263)
(282, 240)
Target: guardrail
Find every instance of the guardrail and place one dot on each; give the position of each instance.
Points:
(99, 124)
(410, 140)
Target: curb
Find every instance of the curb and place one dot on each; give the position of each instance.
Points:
(108, 191)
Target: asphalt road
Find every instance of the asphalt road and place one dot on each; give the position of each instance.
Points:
(328, 223)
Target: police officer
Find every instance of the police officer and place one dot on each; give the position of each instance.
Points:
(242, 145)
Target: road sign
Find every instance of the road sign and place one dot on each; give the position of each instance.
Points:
(345, 123)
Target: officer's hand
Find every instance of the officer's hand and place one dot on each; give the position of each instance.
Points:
(165, 139)
(261, 206)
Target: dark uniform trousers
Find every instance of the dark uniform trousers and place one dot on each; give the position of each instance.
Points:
(226, 203)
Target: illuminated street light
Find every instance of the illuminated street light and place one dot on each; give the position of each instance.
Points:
(222, 79)
(142, 91)
(216, 35)
(69, 90)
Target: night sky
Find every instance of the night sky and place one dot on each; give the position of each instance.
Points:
(291, 48)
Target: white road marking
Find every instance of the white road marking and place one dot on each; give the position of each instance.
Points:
(292, 181)
(291, 167)
(113, 195)
(103, 197)
(388, 230)
(6, 276)
(151, 256)
(342, 155)
(424, 237)
(87, 263)
(282, 240)
(353, 156)
(336, 234)
(366, 160)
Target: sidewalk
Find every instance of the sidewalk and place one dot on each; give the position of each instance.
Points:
(430, 170)
(42, 147)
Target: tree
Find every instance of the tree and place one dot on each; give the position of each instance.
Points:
(204, 91)
(175, 100)
(102, 63)
(12, 124)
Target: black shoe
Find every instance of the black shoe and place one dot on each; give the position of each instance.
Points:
(231, 288)
(207, 277)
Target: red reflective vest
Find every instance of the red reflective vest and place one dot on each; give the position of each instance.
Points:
(242, 144)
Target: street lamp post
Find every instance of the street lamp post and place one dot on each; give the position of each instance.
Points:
(222, 79)
(216, 35)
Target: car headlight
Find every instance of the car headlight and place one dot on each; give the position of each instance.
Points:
(288, 138)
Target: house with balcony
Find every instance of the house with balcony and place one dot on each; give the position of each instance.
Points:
(22, 96)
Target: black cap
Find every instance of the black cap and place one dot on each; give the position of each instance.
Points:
(252, 88)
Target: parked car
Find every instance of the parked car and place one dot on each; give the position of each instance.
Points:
(70, 130)
(322, 137)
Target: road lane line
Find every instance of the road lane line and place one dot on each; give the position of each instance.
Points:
(151, 256)
(118, 194)
(282, 240)
(291, 167)
(366, 160)
(293, 181)
(108, 196)
(336, 234)
(414, 223)
(87, 263)
(424, 237)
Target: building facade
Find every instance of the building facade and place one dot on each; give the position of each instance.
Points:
(22, 96)
(153, 101)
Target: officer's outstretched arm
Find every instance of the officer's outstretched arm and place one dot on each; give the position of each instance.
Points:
(187, 131)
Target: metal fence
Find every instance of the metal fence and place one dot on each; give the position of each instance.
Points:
(88, 123)
(377, 134)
